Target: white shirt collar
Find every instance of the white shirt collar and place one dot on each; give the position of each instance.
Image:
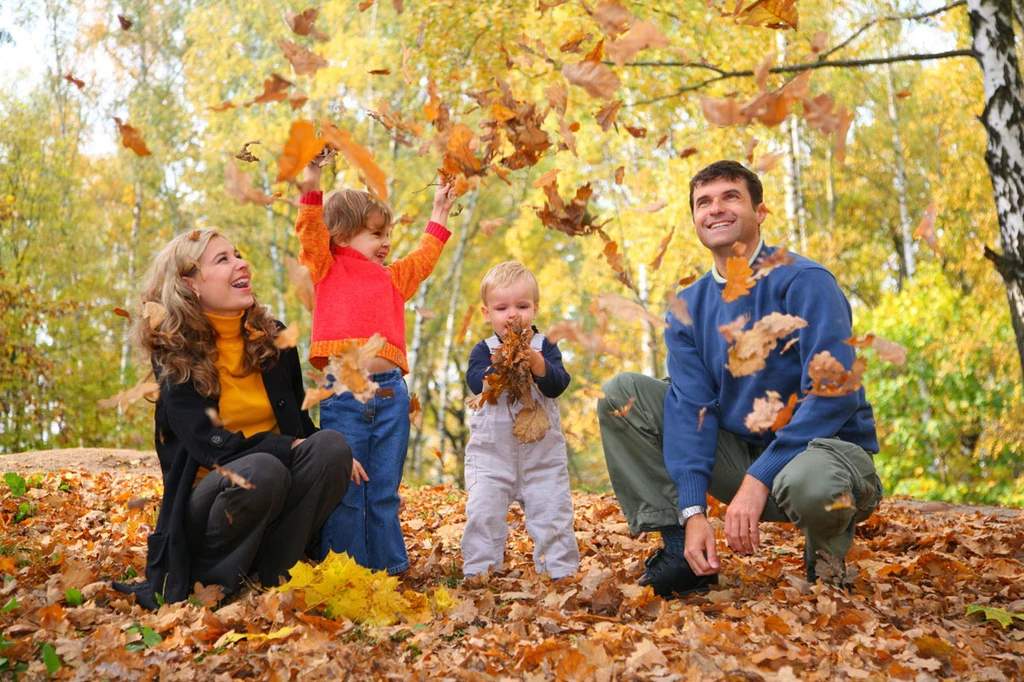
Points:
(753, 257)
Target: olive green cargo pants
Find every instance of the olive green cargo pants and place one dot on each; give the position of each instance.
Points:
(813, 480)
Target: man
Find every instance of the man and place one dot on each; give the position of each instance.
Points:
(687, 437)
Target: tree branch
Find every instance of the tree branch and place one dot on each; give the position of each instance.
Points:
(892, 17)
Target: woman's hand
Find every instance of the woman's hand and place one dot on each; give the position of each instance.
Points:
(358, 472)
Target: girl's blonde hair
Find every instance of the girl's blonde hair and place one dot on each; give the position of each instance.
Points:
(504, 275)
(347, 212)
(183, 346)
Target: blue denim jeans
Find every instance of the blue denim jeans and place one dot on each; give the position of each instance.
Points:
(366, 524)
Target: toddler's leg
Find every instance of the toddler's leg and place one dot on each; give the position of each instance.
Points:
(345, 529)
(490, 480)
(548, 506)
(389, 443)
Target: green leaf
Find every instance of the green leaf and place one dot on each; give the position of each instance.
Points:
(11, 604)
(73, 597)
(1001, 616)
(51, 659)
(16, 483)
(151, 637)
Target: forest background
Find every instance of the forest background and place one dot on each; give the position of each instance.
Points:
(81, 215)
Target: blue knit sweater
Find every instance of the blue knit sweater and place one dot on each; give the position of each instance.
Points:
(697, 356)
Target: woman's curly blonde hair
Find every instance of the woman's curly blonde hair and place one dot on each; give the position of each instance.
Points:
(183, 346)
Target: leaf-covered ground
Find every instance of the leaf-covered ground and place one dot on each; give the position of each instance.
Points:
(919, 570)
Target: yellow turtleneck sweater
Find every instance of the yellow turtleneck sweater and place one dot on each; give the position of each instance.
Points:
(244, 405)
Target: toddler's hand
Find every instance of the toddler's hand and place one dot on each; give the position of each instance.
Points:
(538, 366)
(358, 472)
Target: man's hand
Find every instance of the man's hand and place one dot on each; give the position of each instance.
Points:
(444, 199)
(743, 515)
(358, 473)
(538, 366)
(700, 546)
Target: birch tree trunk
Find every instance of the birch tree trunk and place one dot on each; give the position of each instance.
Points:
(906, 253)
(1003, 118)
(795, 216)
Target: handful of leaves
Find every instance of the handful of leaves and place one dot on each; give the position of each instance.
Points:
(513, 377)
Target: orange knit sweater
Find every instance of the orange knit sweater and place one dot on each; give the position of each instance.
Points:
(355, 298)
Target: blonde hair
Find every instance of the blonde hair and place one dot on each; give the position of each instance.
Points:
(183, 346)
(347, 212)
(506, 274)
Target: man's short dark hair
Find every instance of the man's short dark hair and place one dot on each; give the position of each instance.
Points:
(728, 170)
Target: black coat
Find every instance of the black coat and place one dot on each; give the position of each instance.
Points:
(185, 440)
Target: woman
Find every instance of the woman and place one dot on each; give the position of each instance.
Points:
(229, 399)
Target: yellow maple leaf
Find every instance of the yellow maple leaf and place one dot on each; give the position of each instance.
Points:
(778, 14)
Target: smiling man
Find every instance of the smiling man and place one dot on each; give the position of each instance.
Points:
(687, 436)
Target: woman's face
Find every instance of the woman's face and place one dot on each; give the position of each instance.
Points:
(223, 280)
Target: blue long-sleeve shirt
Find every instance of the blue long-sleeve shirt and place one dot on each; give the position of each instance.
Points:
(700, 382)
(551, 385)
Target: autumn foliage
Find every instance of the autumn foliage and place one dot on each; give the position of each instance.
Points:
(938, 593)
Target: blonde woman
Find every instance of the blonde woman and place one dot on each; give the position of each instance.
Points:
(229, 399)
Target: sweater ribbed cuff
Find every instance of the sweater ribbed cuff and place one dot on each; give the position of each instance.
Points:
(312, 198)
(766, 467)
(438, 230)
(693, 491)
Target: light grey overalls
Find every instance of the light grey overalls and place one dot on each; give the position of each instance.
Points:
(500, 469)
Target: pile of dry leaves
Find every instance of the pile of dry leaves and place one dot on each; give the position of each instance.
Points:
(937, 595)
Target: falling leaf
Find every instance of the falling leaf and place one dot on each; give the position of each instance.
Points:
(145, 389)
(275, 89)
(314, 396)
(830, 379)
(612, 255)
(573, 331)
(287, 338)
(628, 310)
(238, 185)
(572, 45)
(214, 417)
(612, 18)
(662, 250)
(606, 115)
(739, 279)
(701, 413)
(749, 349)
(620, 173)
(223, 106)
(748, 149)
(594, 77)
(125, 22)
(379, 72)
(74, 81)
(777, 14)
(132, 138)
(359, 158)
(304, 62)
(235, 478)
(762, 71)
(302, 147)
(246, 155)
(652, 207)
(890, 351)
(346, 370)
(842, 501)
(460, 338)
(785, 414)
(723, 112)
(154, 312)
(303, 24)
(121, 312)
(767, 162)
(489, 227)
(679, 309)
(642, 35)
(415, 411)
(903, 94)
(689, 151)
(546, 179)
(926, 229)
(766, 263)
(297, 98)
(625, 409)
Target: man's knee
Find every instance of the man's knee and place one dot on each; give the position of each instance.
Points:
(617, 392)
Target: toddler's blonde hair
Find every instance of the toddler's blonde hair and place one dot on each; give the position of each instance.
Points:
(506, 274)
(347, 211)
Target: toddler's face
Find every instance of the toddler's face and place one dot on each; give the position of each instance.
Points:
(374, 241)
(515, 300)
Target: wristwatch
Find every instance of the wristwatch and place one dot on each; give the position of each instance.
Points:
(685, 514)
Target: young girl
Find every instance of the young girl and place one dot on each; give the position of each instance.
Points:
(345, 244)
(228, 398)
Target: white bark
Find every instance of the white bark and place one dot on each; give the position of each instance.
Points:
(906, 254)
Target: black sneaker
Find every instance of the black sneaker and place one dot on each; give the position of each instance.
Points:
(671, 576)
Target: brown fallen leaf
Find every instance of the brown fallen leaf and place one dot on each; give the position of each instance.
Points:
(467, 318)
(304, 62)
(144, 389)
(74, 81)
(749, 349)
(843, 501)
(531, 423)
(121, 312)
(679, 309)
(739, 278)
(222, 107)
(234, 477)
(246, 155)
(302, 147)
(778, 258)
(275, 89)
(830, 379)
(416, 411)
(642, 35)
(777, 14)
(154, 312)
(124, 21)
(132, 138)
(489, 227)
(887, 350)
(287, 338)
(926, 229)
(238, 186)
(303, 24)
(594, 77)
(208, 596)
(627, 310)
(358, 157)
(662, 250)
(379, 72)
(652, 207)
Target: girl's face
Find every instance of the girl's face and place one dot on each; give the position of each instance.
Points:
(374, 241)
(222, 283)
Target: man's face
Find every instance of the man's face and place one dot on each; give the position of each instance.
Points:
(724, 214)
